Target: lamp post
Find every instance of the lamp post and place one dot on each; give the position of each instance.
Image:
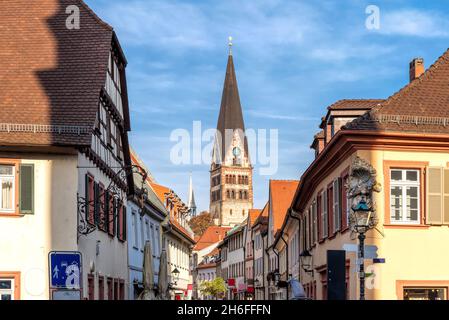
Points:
(306, 261)
(362, 224)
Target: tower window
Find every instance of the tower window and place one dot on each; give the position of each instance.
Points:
(230, 212)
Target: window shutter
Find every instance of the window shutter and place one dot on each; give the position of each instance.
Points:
(337, 204)
(106, 211)
(124, 224)
(86, 189)
(96, 204)
(446, 197)
(320, 222)
(344, 204)
(325, 222)
(114, 216)
(434, 195)
(26, 187)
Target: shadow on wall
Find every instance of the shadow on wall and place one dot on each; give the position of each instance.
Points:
(80, 56)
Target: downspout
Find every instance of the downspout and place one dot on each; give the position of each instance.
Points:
(277, 254)
(254, 262)
(244, 265)
(263, 268)
(286, 258)
(295, 215)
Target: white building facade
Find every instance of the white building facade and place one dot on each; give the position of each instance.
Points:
(63, 161)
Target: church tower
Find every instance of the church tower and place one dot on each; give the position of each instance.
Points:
(231, 173)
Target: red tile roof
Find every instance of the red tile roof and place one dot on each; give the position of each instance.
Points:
(50, 75)
(212, 235)
(161, 192)
(421, 106)
(281, 196)
(263, 216)
(355, 104)
(206, 265)
(253, 215)
(181, 229)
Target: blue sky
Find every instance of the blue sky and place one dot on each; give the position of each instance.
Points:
(292, 58)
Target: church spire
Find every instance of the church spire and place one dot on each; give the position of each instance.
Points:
(191, 203)
(231, 115)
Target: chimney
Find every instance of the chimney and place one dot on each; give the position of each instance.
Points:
(416, 68)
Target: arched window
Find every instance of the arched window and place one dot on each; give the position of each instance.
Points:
(232, 194)
(240, 194)
(230, 212)
(243, 212)
(234, 179)
(228, 194)
(245, 195)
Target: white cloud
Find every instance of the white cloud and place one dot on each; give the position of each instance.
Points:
(158, 23)
(262, 114)
(411, 22)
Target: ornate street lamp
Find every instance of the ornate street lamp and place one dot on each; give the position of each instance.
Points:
(277, 276)
(306, 261)
(175, 274)
(361, 184)
(115, 193)
(362, 215)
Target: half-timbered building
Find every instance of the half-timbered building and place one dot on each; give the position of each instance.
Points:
(64, 153)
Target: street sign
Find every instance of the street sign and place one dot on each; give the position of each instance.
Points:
(379, 260)
(370, 251)
(65, 269)
(66, 295)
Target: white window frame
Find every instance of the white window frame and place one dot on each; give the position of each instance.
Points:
(314, 222)
(403, 184)
(135, 230)
(337, 208)
(8, 178)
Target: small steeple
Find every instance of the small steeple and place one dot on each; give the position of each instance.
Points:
(191, 203)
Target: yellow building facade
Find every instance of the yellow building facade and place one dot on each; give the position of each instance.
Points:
(406, 141)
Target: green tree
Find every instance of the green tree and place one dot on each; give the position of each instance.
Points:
(215, 288)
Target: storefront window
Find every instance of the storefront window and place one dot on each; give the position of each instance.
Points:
(6, 289)
(424, 293)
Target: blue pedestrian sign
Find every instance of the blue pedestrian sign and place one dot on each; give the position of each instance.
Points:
(65, 269)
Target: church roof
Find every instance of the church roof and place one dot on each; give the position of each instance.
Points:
(231, 115)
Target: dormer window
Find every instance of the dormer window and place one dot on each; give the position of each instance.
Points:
(113, 84)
